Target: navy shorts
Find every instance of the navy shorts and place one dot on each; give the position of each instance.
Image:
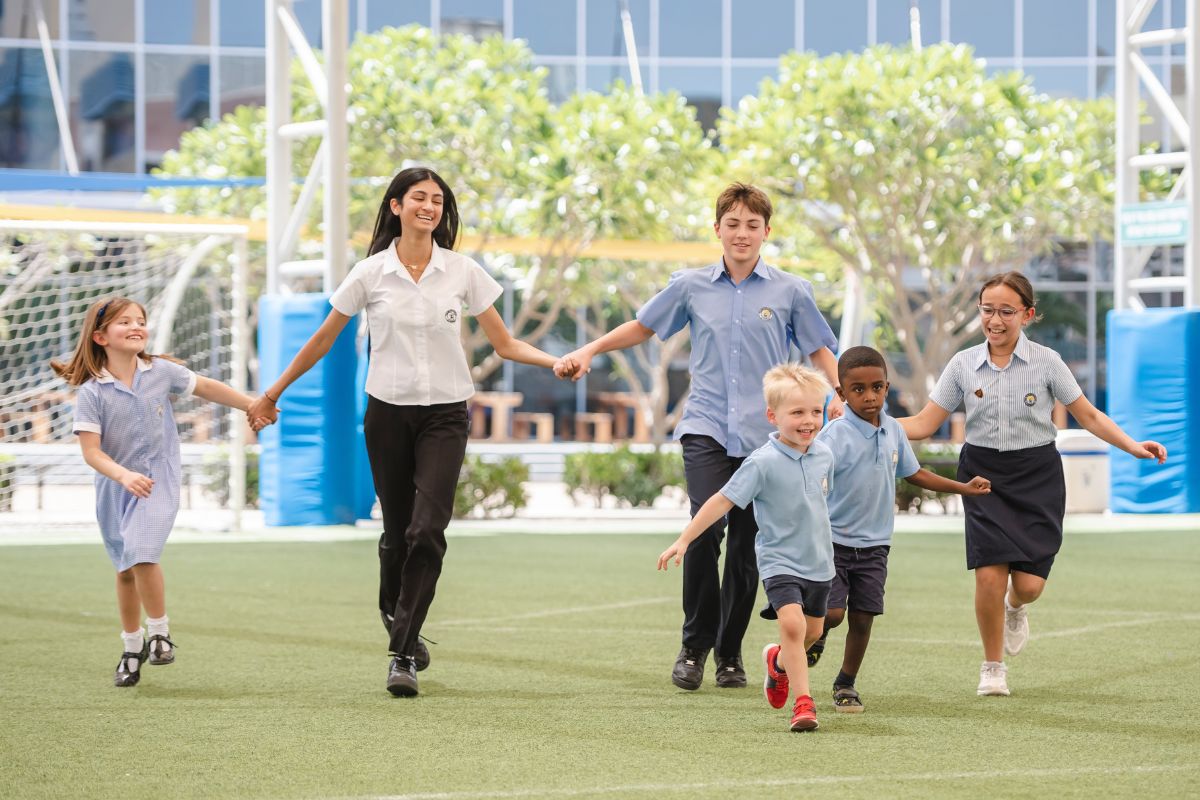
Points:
(812, 596)
(860, 573)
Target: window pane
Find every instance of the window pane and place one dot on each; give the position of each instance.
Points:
(1106, 27)
(747, 79)
(765, 30)
(177, 22)
(101, 21)
(548, 26)
(986, 25)
(177, 95)
(1060, 81)
(560, 81)
(892, 26)
(700, 85)
(308, 14)
(394, 13)
(604, 36)
(1068, 261)
(16, 24)
(1056, 29)
(476, 18)
(601, 76)
(835, 27)
(243, 82)
(689, 28)
(101, 103)
(28, 127)
(240, 27)
(1179, 20)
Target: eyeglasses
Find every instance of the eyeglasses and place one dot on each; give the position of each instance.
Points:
(987, 312)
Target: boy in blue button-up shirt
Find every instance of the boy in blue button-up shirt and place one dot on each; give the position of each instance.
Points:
(744, 316)
(872, 452)
(787, 480)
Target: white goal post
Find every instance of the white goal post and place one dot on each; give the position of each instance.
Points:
(192, 280)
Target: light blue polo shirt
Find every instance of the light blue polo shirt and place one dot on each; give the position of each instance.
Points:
(862, 503)
(739, 331)
(788, 489)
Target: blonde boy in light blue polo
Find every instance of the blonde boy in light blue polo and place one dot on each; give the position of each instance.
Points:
(787, 480)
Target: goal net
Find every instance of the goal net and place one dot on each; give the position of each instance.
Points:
(191, 280)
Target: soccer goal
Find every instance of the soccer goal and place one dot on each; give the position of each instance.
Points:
(192, 281)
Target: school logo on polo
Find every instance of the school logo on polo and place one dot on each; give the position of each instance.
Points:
(1030, 399)
(765, 313)
(451, 315)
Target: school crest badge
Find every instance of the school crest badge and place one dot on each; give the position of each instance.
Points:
(765, 313)
(825, 484)
(1030, 399)
(451, 316)
(895, 457)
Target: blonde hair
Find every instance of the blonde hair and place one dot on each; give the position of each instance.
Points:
(783, 379)
(89, 358)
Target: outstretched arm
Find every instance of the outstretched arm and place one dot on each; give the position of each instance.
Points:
(312, 352)
(716, 507)
(217, 392)
(508, 347)
(627, 335)
(936, 483)
(925, 423)
(1101, 425)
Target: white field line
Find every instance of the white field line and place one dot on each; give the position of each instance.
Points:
(680, 788)
(557, 612)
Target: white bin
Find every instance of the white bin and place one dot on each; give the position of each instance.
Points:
(1085, 469)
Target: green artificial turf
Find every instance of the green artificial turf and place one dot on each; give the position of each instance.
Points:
(550, 678)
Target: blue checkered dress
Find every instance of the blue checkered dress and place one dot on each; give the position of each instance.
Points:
(137, 430)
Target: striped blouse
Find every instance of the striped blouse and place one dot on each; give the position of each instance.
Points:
(1009, 408)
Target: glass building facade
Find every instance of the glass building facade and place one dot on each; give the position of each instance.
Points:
(136, 74)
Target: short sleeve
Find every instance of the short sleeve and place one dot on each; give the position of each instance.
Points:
(482, 289)
(907, 465)
(667, 312)
(350, 297)
(809, 329)
(87, 410)
(745, 484)
(948, 393)
(1063, 385)
(182, 380)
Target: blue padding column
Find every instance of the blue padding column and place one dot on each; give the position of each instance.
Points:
(308, 467)
(1153, 358)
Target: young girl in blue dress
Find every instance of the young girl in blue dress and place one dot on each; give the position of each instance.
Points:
(127, 431)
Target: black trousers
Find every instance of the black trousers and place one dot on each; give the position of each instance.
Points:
(716, 610)
(416, 455)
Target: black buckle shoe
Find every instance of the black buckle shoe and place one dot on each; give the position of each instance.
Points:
(130, 677)
(689, 668)
(162, 650)
(814, 653)
(730, 672)
(402, 677)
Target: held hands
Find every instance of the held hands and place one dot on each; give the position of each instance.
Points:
(675, 551)
(836, 407)
(136, 483)
(977, 486)
(573, 365)
(1150, 450)
(261, 413)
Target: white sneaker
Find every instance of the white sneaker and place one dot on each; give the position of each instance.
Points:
(993, 679)
(1016, 626)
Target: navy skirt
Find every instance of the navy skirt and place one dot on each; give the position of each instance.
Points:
(1020, 523)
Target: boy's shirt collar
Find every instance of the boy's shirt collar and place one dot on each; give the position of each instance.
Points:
(791, 452)
(1021, 351)
(863, 426)
(760, 269)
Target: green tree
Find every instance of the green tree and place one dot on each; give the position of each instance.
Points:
(922, 173)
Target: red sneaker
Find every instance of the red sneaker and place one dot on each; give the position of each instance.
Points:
(775, 685)
(804, 714)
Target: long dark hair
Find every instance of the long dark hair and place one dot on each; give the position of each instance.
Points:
(387, 224)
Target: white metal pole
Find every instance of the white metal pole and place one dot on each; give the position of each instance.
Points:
(279, 150)
(240, 340)
(1191, 253)
(1128, 134)
(336, 200)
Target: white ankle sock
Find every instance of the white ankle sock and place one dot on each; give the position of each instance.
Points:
(133, 642)
(157, 626)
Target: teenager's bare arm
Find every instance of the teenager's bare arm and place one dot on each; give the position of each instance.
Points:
(1101, 425)
(923, 425)
(619, 338)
